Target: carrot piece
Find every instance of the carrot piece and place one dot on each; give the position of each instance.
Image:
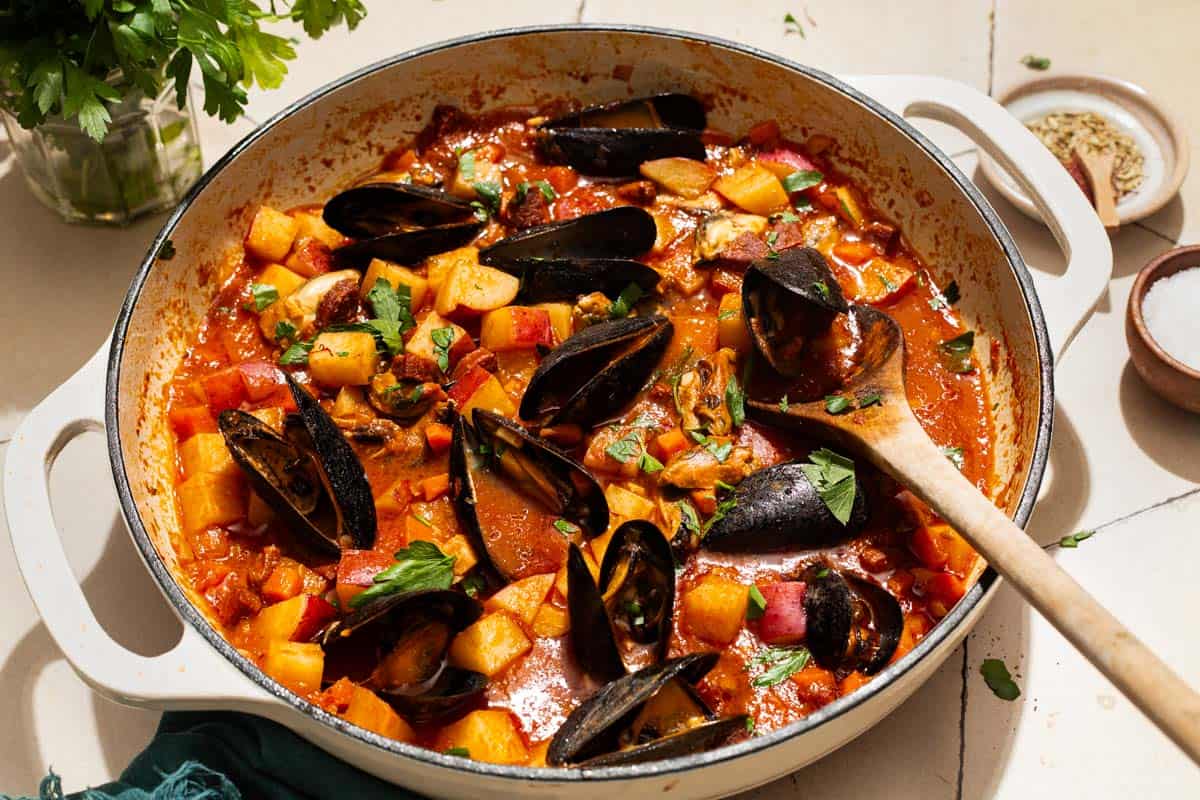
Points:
(928, 545)
(435, 486)
(283, 583)
(705, 500)
(190, 420)
(666, 445)
(438, 436)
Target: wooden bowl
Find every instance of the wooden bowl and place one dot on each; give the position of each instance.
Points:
(1170, 379)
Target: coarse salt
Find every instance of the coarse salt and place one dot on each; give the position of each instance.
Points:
(1170, 310)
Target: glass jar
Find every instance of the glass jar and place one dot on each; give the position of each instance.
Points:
(146, 163)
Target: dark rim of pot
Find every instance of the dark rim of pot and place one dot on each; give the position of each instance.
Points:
(755, 744)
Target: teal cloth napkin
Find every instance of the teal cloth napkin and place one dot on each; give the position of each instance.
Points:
(228, 756)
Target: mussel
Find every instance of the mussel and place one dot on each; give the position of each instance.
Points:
(777, 509)
(594, 373)
(650, 714)
(499, 470)
(399, 222)
(545, 280)
(786, 301)
(627, 618)
(396, 645)
(612, 140)
(622, 232)
(852, 623)
(309, 475)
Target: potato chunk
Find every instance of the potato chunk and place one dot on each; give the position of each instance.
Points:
(453, 345)
(206, 452)
(209, 499)
(685, 177)
(753, 188)
(551, 621)
(313, 226)
(366, 710)
(560, 319)
(470, 290)
(490, 645)
(522, 598)
(297, 665)
(283, 279)
(437, 267)
(516, 328)
(485, 735)
(731, 325)
(715, 607)
(343, 358)
(271, 234)
(396, 275)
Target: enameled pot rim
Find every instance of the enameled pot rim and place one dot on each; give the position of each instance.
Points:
(883, 680)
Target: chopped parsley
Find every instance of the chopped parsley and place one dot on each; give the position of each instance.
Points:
(264, 294)
(870, 399)
(837, 404)
(723, 508)
(564, 527)
(783, 404)
(728, 313)
(786, 216)
(458, 751)
(823, 290)
(955, 454)
(296, 354)
(1075, 538)
(625, 301)
(719, 450)
(466, 166)
(421, 565)
(649, 464)
(780, 663)
(285, 330)
(166, 251)
(393, 314)
(832, 475)
(749, 724)
(998, 680)
(443, 339)
(956, 353)
(772, 253)
(946, 297)
(802, 179)
(689, 520)
(735, 399)
(792, 25)
(757, 604)
(480, 211)
(1040, 63)
(473, 585)
(542, 186)
(627, 448)
(489, 194)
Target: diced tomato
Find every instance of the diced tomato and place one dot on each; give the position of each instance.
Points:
(942, 591)
(467, 385)
(716, 138)
(400, 161)
(853, 681)
(816, 685)
(310, 258)
(261, 378)
(357, 570)
(190, 420)
(928, 546)
(438, 436)
(283, 583)
(224, 389)
(784, 620)
(563, 179)
(724, 281)
(435, 486)
(764, 134)
(854, 253)
(705, 500)
(242, 339)
(666, 445)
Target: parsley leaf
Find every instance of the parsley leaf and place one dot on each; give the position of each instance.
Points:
(625, 301)
(836, 404)
(458, 751)
(955, 454)
(296, 354)
(823, 290)
(1039, 63)
(802, 179)
(443, 338)
(419, 566)
(393, 304)
(1075, 538)
(870, 399)
(285, 331)
(649, 464)
(757, 604)
(946, 297)
(473, 585)
(955, 354)
(689, 520)
(998, 680)
(627, 448)
(489, 194)
(792, 25)
(264, 294)
(723, 508)
(543, 186)
(783, 404)
(564, 527)
(466, 166)
(780, 663)
(728, 313)
(735, 399)
(832, 475)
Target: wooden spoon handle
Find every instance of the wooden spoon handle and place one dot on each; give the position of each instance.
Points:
(907, 453)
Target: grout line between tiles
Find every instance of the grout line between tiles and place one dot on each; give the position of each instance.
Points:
(1138, 512)
(579, 10)
(991, 48)
(1163, 236)
(962, 723)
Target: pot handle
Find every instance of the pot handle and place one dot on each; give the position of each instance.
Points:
(1069, 299)
(190, 676)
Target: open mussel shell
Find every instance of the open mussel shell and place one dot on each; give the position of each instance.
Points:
(637, 578)
(396, 645)
(614, 139)
(344, 473)
(549, 279)
(594, 728)
(494, 449)
(696, 739)
(409, 247)
(853, 624)
(778, 509)
(622, 232)
(376, 209)
(595, 373)
(591, 635)
(787, 300)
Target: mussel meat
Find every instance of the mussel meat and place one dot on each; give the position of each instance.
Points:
(622, 232)
(614, 139)
(852, 623)
(777, 509)
(396, 645)
(499, 471)
(649, 714)
(593, 374)
(786, 301)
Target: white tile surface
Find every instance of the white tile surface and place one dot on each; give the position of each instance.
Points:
(1117, 448)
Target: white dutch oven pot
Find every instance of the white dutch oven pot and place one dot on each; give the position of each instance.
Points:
(312, 149)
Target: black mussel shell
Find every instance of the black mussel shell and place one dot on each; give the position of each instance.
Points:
(787, 300)
(453, 693)
(391, 612)
(347, 480)
(562, 484)
(409, 247)
(618, 152)
(667, 110)
(591, 635)
(376, 209)
(548, 279)
(637, 576)
(594, 726)
(853, 624)
(777, 508)
(595, 373)
(622, 232)
(693, 740)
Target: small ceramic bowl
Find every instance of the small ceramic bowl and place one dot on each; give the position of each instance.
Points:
(1172, 380)
(1158, 135)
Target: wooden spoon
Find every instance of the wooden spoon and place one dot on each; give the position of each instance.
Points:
(1098, 167)
(890, 436)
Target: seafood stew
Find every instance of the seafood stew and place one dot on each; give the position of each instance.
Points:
(465, 454)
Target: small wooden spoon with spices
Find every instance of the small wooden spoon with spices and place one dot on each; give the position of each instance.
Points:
(890, 437)
(1098, 167)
